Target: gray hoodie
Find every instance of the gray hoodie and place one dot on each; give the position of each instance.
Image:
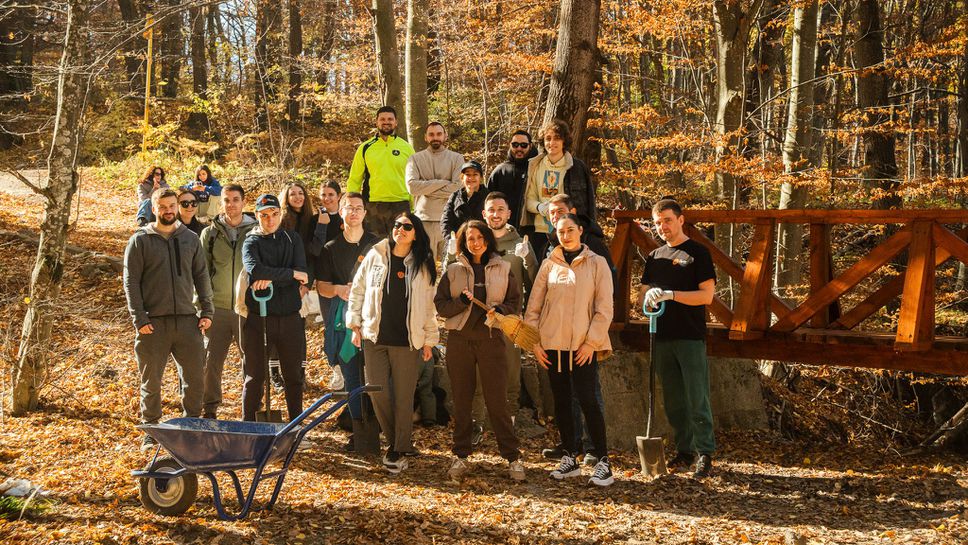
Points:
(161, 275)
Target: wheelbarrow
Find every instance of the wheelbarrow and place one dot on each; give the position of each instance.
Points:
(202, 446)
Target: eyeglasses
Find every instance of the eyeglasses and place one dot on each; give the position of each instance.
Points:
(188, 204)
(521, 145)
(356, 209)
(404, 226)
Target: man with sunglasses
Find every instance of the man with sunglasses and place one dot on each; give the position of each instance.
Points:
(511, 176)
(335, 268)
(164, 268)
(432, 175)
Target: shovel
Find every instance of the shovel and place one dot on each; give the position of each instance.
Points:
(267, 415)
(651, 451)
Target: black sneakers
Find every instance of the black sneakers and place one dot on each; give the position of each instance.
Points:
(682, 459)
(567, 468)
(477, 435)
(275, 375)
(554, 453)
(704, 465)
(602, 475)
(589, 460)
(395, 462)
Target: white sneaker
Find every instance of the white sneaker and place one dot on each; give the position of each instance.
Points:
(567, 468)
(458, 469)
(394, 462)
(603, 473)
(336, 382)
(516, 470)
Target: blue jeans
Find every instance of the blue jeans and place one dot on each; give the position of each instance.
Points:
(144, 211)
(351, 380)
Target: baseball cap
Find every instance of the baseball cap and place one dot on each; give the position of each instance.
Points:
(472, 164)
(266, 201)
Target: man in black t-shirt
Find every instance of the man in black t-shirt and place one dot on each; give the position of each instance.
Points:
(681, 273)
(335, 268)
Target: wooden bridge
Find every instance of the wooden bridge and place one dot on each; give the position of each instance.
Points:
(761, 325)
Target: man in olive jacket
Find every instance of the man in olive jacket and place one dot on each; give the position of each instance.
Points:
(164, 267)
(222, 242)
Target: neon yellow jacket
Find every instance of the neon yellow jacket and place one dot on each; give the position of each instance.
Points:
(386, 162)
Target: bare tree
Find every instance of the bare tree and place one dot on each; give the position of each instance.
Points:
(388, 58)
(415, 60)
(198, 120)
(295, 52)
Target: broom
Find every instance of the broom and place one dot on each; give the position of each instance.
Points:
(514, 328)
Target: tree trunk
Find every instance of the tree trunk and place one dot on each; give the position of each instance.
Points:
(577, 60)
(388, 57)
(45, 281)
(880, 164)
(415, 59)
(799, 139)
(134, 50)
(267, 65)
(16, 65)
(295, 52)
(198, 120)
(172, 50)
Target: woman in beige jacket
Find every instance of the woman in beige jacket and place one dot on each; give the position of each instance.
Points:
(571, 305)
(391, 313)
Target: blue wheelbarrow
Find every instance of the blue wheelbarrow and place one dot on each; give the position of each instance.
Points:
(169, 484)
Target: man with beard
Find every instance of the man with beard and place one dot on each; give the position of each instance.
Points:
(432, 176)
(592, 235)
(378, 172)
(511, 176)
(164, 267)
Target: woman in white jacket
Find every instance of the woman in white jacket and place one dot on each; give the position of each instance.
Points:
(391, 312)
(571, 306)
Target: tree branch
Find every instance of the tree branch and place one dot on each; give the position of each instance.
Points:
(42, 191)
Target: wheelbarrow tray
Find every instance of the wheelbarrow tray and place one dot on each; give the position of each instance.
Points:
(204, 444)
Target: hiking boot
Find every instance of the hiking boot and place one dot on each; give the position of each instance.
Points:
(413, 453)
(567, 468)
(477, 435)
(394, 462)
(603, 473)
(148, 443)
(589, 460)
(516, 470)
(458, 469)
(209, 415)
(554, 453)
(682, 459)
(275, 376)
(704, 465)
(350, 445)
(336, 382)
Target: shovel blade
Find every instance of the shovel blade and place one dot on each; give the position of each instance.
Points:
(273, 416)
(366, 436)
(651, 455)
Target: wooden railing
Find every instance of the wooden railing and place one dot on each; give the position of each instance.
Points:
(762, 325)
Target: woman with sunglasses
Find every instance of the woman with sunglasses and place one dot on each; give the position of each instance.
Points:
(473, 347)
(187, 208)
(154, 179)
(391, 313)
(205, 186)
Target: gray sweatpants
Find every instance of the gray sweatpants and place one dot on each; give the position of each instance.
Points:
(226, 327)
(179, 337)
(394, 409)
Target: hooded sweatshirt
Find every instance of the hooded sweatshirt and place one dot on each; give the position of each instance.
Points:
(544, 182)
(223, 253)
(510, 178)
(591, 236)
(162, 275)
(274, 257)
(461, 208)
(524, 268)
(431, 178)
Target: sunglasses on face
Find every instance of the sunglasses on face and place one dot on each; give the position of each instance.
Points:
(521, 145)
(404, 226)
(156, 174)
(188, 204)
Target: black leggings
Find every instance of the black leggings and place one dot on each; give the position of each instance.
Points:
(287, 334)
(577, 382)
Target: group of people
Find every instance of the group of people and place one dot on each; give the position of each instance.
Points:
(371, 256)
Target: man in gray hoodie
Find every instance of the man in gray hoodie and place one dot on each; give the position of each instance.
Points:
(432, 175)
(222, 242)
(164, 267)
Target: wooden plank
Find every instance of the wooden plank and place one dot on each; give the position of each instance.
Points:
(951, 242)
(751, 314)
(643, 239)
(621, 257)
(781, 347)
(915, 327)
(821, 268)
(845, 281)
(722, 312)
(778, 306)
(809, 216)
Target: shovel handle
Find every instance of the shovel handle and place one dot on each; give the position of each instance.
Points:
(262, 300)
(654, 315)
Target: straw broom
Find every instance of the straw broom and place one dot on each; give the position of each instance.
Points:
(514, 328)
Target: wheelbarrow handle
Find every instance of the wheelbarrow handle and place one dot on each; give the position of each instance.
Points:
(262, 300)
(654, 315)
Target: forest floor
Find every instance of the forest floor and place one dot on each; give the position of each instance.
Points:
(82, 444)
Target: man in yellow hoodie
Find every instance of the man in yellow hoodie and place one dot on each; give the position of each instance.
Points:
(379, 173)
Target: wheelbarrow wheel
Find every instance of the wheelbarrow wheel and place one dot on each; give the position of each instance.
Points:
(168, 496)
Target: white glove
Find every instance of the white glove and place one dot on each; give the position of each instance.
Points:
(522, 249)
(656, 295)
(452, 244)
(543, 208)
